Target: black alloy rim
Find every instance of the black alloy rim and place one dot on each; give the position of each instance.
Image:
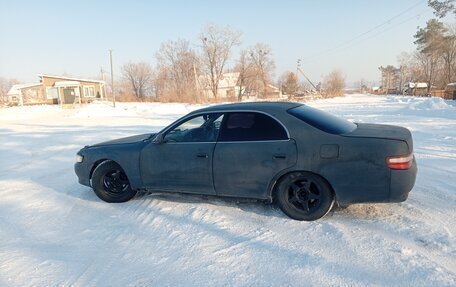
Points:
(115, 182)
(304, 194)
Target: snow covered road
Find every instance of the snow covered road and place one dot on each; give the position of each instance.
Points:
(55, 232)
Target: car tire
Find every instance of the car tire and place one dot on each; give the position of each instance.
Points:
(304, 196)
(110, 183)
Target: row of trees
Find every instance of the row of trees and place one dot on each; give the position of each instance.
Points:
(434, 60)
(184, 73)
(194, 73)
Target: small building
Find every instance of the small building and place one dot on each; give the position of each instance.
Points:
(376, 90)
(227, 88)
(20, 92)
(415, 89)
(450, 92)
(273, 91)
(57, 90)
(255, 89)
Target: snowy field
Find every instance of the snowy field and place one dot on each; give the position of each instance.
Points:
(55, 232)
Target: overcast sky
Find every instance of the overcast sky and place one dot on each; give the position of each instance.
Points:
(73, 37)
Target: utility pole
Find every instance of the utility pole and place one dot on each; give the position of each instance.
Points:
(103, 88)
(197, 86)
(102, 73)
(112, 80)
(387, 83)
(308, 80)
(298, 65)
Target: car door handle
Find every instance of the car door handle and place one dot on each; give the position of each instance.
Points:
(280, 156)
(202, 155)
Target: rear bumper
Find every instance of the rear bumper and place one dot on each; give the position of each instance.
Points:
(396, 188)
(402, 182)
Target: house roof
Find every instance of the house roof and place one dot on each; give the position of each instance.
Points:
(16, 89)
(228, 80)
(417, 85)
(273, 88)
(67, 84)
(70, 78)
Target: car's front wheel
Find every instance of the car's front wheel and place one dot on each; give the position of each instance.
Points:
(110, 183)
(304, 196)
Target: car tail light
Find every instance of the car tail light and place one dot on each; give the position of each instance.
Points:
(400, 162)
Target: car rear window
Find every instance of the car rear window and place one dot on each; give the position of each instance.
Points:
(322, 120)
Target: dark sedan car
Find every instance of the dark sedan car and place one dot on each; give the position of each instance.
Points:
(302, 158)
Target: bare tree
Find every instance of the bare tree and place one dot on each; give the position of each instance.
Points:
(410, 68)
(334, 84)
(217, 44)
(124, 92)
(162, 84)
(442, 8)
(246, 72)
(140, 77)
(290, 83)
(264, 66)
(362, 85)
(177, 71)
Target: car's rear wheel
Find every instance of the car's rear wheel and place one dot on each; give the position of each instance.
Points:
(110, 183)
(304, 196)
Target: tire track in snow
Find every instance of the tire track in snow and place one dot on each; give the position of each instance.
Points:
(138, 211)
(93, 272)
(408, 246)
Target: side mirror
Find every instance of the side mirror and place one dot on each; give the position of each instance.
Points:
(160, 138)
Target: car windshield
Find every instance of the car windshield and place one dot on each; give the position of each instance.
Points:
(322, 120)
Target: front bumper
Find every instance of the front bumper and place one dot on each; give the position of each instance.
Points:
(82, 170)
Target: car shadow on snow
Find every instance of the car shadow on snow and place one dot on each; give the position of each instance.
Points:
(260, 207)
(264, 208)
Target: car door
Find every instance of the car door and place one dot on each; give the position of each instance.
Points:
(182, 160)
(251, 149)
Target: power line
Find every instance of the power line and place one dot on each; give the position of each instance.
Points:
(398, 24)
(333, 51)
(388, 21)
(112, 79)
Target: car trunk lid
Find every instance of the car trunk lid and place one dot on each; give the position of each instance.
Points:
(383, 132)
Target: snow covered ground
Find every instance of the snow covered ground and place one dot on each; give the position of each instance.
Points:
(55, 232)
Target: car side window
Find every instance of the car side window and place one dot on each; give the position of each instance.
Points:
(203, 128)
(251, 126)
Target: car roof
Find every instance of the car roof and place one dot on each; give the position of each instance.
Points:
(255, 106)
